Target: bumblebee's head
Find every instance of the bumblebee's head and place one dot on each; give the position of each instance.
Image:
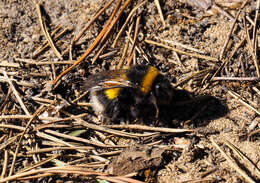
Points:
(163, 91)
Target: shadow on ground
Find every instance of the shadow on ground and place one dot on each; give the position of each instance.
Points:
(197, 111)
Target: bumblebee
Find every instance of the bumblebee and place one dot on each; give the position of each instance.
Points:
(128, 93)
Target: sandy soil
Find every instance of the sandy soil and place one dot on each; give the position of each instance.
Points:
(222, 118)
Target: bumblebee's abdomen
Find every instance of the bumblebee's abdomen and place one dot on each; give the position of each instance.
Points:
(113, 103)
(112, 93)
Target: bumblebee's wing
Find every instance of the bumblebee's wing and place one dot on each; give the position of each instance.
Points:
(107, 80)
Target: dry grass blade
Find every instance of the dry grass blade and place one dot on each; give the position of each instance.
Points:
(126, 22)
(37, 113)
(116, 19)
(82, 140)
(200, 180)
(9, 141)
(113, 22)
(92, 46)
(43, 150)
(231, 30)
(253, 168)
(54, 139)
(235, 78)
(8, 64)
(45, 32)
(157, 3)
(251, 47)
(40, 163)
(77, 37)
(231, 162)
(255, 26)
(22, 83)
(202, 72)
(119, 179)
(99, 53)
(5, 165)
(28, 117)
(236, 96)
(45, 44)
(149, 128)
(137, 47)
(107, 130)
(12, 127)
(130, 58)
(223, 12)
(56, 170)
(180, 51)
(35, 62)
(256, 90)
(40, 175)
(16, 94)
(3, 137)
(121, 61)
(176, 43)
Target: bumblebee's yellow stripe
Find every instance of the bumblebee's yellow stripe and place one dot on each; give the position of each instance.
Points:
(112, 93)
(149, 79)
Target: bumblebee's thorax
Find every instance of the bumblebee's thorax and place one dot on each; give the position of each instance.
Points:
(142, 78)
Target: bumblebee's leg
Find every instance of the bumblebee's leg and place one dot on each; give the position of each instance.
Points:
(154, 102)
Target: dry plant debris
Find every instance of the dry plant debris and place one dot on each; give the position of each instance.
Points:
(208, 49)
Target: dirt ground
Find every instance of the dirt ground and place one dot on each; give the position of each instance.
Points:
(179, 157)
